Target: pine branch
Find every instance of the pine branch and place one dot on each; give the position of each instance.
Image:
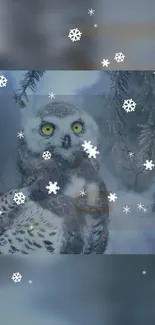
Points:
(118, 92)
(31, 78)
(147, 142)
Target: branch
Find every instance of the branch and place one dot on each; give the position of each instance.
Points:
(31, 78)
(128, 169)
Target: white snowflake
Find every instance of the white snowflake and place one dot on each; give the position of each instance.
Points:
(52, 188)
(30, 281)
(19, 198)
(93, 152)
(148, 165)
(16, 277)
(74, 35)
(141, 206)
(1, 213)
(95, 25)
(91, 12)
(129, 105)
(87, 146)
(31, 227)
(119, 57)
(20, 135)
(82, 193)
(144, 272)
(126, 209)
(112, 197)
(51, 95)
(131, 154)
(46, 155)
(3, 81)
(105, 63)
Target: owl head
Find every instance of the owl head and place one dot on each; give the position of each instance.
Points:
(60, 128)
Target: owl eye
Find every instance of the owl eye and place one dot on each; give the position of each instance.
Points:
(47, 129)
(77, 127)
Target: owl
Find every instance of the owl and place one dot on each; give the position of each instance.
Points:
(63, 222)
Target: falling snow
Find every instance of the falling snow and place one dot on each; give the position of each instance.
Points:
(82, 193)
(105, 63)
(20, 135)
(112, 197)
(91, 12)
(51, 95)
(126, 209)
(149, 165)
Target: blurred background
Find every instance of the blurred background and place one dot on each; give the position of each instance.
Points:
(73, 290)
(34, 34)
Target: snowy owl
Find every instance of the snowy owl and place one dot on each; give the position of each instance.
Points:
(63, 222)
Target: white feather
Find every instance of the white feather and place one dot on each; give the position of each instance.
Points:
(31, 219)
(75, 186)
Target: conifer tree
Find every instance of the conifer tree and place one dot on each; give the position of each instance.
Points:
(30, 80)
(147, 104)
(117, 120)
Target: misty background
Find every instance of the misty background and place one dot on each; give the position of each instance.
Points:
(34, 34)
(71, 290)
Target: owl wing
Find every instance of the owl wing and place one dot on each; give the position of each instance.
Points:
(33, 229)
(9, 208)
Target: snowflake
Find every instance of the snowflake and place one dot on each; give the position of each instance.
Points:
(52, 188)
(46, 155)
(31, 227)
(16, 277)
(119, 57)
(129, 105)
(3, 81)
(95, 25)
(91, 12)
(20, 135)
(148, 165)
(144, 272)
(126, 209)
(19, 198)
(87, 146)
(74, 35)
(30, 281)
(105, 63)
(82, 193)
(140, 206)
(131, 154)
(1, 213)
(93, 152)
(112, 197)
(51, 95)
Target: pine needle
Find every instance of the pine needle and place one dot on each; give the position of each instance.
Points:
(31, 78)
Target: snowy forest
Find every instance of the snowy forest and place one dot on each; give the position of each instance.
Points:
(127, 140)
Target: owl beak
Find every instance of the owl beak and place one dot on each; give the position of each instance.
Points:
(66, 141)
